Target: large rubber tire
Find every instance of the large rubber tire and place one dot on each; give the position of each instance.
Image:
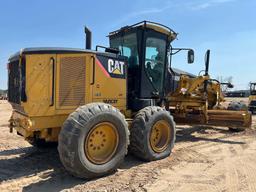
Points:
(141, 130)
(73, 135)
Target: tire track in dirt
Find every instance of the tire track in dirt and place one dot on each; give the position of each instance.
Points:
(19, 183)
(231, 175)
(21, 167)
(221, 154)
(248, 170)
(183, 174)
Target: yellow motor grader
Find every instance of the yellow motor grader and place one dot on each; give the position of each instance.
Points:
(96, 104)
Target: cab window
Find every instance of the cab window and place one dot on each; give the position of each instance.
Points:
(154, 61)
(127, 46)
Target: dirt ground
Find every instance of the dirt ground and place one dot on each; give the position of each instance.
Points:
(203, 159)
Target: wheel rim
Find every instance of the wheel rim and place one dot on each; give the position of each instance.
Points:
(101, 143)
(160, 136)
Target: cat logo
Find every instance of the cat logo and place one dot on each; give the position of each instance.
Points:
(115, 67)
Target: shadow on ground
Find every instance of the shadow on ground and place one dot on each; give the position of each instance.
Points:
(186, 135)
(44, 163)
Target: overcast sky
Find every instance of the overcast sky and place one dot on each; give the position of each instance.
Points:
(226, 27)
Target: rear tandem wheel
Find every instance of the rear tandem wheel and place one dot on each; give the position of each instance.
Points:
(152, 134)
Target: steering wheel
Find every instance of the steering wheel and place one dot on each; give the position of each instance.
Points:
(150, 63)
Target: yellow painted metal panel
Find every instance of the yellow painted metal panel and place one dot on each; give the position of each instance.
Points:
(44, 71)
(39, 73)
(74, 82)
(108, 89)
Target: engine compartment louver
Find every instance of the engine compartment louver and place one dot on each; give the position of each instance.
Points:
(72, 81)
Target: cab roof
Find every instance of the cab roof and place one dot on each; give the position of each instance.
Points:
(150, 25)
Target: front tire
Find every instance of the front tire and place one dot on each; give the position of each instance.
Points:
(152, 134)
(93, 140)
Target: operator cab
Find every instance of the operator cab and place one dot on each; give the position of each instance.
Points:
(146, 45)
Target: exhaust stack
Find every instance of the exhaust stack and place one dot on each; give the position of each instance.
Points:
(88, 39)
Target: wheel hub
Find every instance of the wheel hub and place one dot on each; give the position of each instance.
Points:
(160, 136)
(101, 143)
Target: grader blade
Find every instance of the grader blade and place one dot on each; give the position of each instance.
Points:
(228, 118)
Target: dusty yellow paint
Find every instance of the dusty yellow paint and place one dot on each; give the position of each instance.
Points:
(160, 136)
(109, 90)
(38, 85)
(101, 143)
(190, 104)
(44, 116)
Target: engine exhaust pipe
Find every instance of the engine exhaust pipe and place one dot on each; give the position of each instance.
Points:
(88, 39)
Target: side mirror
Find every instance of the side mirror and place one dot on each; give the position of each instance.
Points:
(230, 85)
(191, 56)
